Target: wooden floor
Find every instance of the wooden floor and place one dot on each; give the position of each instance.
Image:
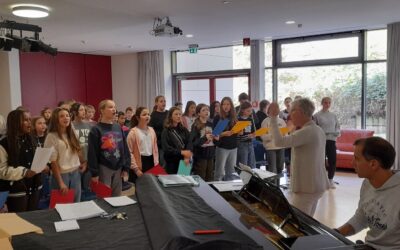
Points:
(338, 205)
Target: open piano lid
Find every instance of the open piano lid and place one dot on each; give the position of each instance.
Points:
(272, 196)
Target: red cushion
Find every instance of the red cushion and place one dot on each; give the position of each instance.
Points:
(345, 148)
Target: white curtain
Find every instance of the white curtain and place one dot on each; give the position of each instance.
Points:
(393, 88)
(151, 77)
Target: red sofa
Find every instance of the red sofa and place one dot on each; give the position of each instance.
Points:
(345, 148)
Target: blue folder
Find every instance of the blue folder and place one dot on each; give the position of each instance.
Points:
(3, 198)
(221, 125)
(184, 169)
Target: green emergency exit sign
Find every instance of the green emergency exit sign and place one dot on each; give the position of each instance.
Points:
(193, 48)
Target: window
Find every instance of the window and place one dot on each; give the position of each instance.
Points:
(341, 82)
(268, 85)
(376, 45)
(224, 58)
(231, 87)
(195, 90)
(376, 98)
(327, 49)
(268, 54)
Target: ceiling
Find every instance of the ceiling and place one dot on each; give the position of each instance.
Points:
(112, 27)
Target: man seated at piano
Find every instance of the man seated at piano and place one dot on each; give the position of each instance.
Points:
(308, 178)
(378, 208)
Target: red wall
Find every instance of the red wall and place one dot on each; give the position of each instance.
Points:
(46, 80)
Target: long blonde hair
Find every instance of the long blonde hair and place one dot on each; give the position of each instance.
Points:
(102, 106)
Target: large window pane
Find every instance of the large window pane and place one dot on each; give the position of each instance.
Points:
(231, 87)
(268, 84)
(225, 58)
(376, 44)
(320, 50)
(342, 83)
(376, 98)
(268, 54)
(195, 90)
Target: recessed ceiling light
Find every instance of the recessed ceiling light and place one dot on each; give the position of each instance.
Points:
(226, 2)
(30, 11)
(189, 35)
(290, 22)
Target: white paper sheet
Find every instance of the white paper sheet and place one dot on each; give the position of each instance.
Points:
(66, 225)
(228, 186)
(263, 174)
(79, 210)
(41, 158)
(177, 180)
(120, 201)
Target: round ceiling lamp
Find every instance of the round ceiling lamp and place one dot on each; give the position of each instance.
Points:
(30, 11)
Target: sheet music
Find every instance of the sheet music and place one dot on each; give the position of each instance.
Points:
(228, 186)
(66, 225)
(41, 158)
(120, 201)
(177, 180)
(79, 210)
(263, 174)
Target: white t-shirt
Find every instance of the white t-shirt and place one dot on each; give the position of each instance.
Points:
(63, 155)
(145, 147)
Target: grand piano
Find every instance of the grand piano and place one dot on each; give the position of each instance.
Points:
(262, 207)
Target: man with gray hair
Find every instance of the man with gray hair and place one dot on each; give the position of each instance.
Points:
(308, 175)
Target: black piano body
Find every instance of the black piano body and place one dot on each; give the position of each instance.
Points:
(263, 206)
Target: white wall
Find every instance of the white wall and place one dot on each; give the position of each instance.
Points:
(10, 82)
(124, 70)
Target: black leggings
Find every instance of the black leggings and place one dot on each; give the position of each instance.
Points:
(27, 202)
(147, 164)
(330, 152)
(24, 195)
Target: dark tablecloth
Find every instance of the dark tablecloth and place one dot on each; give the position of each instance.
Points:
(94, 233)
(163, 218)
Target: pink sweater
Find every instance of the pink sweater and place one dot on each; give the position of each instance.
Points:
(134, 147)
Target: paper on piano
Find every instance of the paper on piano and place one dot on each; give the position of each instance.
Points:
(120, 201)
(66, 225)
(227, 186)
(263, 174)
(41, 158)
(79, 210)
(247, 172)
(177, 180)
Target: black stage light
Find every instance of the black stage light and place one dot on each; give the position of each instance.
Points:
(19, 43)
(46, 48)
(34, 44)
(6, 43)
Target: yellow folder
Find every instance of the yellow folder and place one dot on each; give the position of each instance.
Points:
(284, 130)
(239, 126)
(261, 131)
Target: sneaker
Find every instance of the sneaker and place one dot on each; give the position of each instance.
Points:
(126, 185)
(332, 184)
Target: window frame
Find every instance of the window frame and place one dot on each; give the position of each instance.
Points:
(319, 62)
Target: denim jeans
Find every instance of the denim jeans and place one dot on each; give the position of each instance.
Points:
(245, 154)
(72, 180)
(225, 160)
